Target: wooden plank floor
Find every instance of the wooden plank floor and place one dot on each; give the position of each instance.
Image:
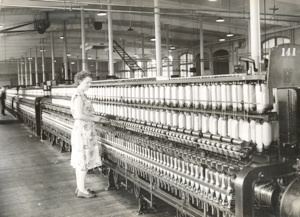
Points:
(38, 181)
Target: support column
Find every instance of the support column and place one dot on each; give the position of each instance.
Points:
(96, 65)
(144, 63)
(25, 70)
(255, 32)
(168, 49)
(36, 67)
(52, 57)
(84, 65)
(201, 56)
(110, 43)
(124, 73)
(43, 64)
(21, 72)
(66, 66)
(18, 68)
(30, 70)
(157, 38)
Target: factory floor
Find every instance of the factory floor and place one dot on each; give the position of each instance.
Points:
(36, 180)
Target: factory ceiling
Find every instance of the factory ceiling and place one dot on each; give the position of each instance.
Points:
(133, 23)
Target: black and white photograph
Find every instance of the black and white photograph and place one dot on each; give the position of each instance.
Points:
(151, 108)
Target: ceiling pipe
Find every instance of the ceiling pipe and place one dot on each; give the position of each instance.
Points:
(7, 30)
(191, 11)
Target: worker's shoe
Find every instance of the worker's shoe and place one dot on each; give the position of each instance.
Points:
(84, 195)
(89, 190)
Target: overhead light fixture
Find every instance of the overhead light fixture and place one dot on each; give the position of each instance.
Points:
(220, 20)
(61, 37)
(212, 0)
(230, 35)
(172, 48)
(152, 39)
(89, 58)
(1, 26)
(29, 58)
(221, 39)
(101, 13)
(72, 63)
(42, 50)
(68, 54)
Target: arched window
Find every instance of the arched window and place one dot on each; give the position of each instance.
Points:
(221, 62)
(167, 66)
(186, 62)
(151, 68)
(273, 42)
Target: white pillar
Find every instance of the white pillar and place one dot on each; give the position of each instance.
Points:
(123, 62)
(66, 66)
(157, 38)
(96, 65)
(36, 67)
(84, 65)
(43, 64)
(110, 43)
(21, 72)
(201, 56)
(187, 72)
(144, 63)
(255, 32)
(25, 70)
(18, 70)
(30, 71)
(52, 56)
(168, 50)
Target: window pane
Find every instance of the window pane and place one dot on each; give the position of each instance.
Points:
(186, 62)
(190, 58)
(286, 41)
(279, 41)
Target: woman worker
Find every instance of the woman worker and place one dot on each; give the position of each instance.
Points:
(85, 151)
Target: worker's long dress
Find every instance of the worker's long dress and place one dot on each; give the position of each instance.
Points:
(85, 151)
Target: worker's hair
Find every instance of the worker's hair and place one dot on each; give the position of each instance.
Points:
(80, 76)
